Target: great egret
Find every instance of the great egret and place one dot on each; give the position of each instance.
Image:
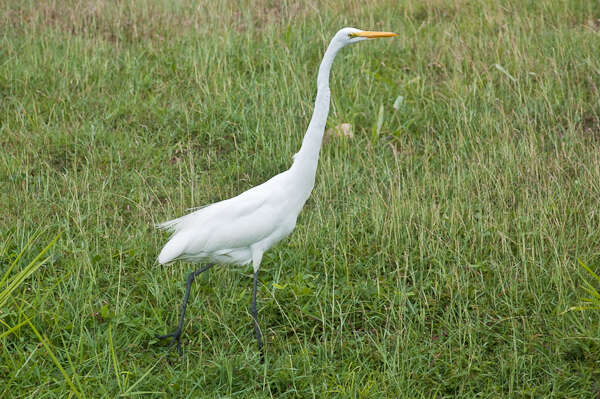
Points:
(240, 229)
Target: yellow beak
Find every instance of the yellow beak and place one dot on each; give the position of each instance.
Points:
(373, 35)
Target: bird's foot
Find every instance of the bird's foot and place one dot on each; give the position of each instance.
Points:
(175, 338)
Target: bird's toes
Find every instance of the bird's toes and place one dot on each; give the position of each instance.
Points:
(175, 339)
(175, 335)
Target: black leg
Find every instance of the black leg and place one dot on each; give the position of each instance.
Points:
(176, 335)
(254, 316)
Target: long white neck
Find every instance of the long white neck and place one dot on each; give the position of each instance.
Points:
(306, 160)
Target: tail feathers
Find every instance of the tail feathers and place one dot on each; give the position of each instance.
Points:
(179, 224)
(170, 225)
(173, 249)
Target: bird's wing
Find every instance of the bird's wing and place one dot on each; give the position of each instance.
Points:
(243, 220)
(233, 223)
(233, 207)
(248, 227)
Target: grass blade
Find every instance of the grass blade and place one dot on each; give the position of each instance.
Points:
(34, 265)
(44, 342)
(12, 329)
(114, 357)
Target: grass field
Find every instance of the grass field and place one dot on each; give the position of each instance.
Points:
(437, 256)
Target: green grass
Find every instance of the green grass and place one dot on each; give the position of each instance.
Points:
(436, 256)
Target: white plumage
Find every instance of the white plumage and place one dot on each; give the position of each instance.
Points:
(240, 229)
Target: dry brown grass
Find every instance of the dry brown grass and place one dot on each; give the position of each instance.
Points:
(131, 20)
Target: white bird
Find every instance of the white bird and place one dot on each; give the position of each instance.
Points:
(239, 230)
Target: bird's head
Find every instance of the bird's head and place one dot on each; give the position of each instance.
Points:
(352, 35)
